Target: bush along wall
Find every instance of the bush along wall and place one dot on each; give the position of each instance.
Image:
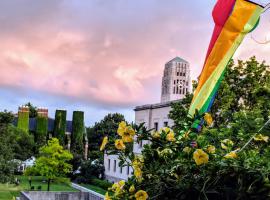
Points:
(41, 130)
(23, 120)
(77, 131)
(60, 125)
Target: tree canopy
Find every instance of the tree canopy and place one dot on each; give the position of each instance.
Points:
(53, 161)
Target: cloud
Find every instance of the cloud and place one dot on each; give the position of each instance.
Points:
(101, 53)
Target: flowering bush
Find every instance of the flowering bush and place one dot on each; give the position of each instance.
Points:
(189, 165)
(228, 159)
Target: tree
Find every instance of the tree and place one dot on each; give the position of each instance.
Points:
(53, 161)
(32, 110)
(60, 123)
(41, 131)
(107, 126)
(78, 130)
(14, 144)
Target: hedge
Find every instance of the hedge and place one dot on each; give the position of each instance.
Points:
(60, 125)
(23, 121)
(101, 183)
(41, 130)
(77, 131)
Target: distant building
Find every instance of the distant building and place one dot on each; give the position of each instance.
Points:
(176, 83)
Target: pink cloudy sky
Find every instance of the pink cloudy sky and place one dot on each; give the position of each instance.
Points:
(102, 56)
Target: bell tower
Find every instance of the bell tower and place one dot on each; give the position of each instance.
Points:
(176, 80)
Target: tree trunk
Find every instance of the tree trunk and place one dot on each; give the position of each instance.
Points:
(49, 181)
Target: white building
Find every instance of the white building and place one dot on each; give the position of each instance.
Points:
(175, 85)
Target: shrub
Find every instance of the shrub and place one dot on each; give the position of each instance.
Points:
(78, 130)
(60, 125)
(41, 130)
(100, 183)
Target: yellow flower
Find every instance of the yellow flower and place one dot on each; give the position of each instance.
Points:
(170, 136)
(127, 138)
(200, 157)
(138, 162)
(104, 142)
(121, 128)
(208, 118)
(119, 144)
(118, 187)
(155, 134)
(121, 183)
(132, 189)
(141, 195)
(128, 134)
(232, 154)
(107, 197)
(138, 173)
(130, 131)
(187, 150)
(261, 137)
(166, 130)
(225, 143)
(211, 149)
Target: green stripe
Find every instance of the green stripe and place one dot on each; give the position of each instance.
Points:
(211, 85)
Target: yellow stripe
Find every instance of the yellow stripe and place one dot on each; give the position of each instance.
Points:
(232, 28)
(209, 85)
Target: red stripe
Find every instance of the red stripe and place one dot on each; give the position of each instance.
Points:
(221, 13)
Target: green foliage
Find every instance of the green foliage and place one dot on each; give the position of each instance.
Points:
(91, 169)
(101, 183)
(60, 125)
(228, 159)
(53, 161)
(107, 126)
(14, 144)
(24, 145)
(41, 130)
(32, 110)
(23, 121)
(78, 130)
(6, 117)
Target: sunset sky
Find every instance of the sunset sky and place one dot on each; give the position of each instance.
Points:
(103, 56)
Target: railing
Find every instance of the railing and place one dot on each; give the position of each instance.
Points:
(92, 194)
(24, 196)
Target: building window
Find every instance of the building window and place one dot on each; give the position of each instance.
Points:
(184, 74)
(180, 91)
(181, 74)
(140, 144)
(183, 90)
(127, 170)
(165, 124)
(186, 90)
(174, 90)
(177, 90)
(121, 170)
(114, 166)
(109, 164)
(156, 126)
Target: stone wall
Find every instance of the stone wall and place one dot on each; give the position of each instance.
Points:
(35, 195)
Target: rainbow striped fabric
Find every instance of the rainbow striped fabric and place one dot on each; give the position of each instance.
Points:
(233, 20)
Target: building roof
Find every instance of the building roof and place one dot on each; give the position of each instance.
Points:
(155, 106)
(178, 59)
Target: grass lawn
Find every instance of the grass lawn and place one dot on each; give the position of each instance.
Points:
(94, 188)
(8, 191)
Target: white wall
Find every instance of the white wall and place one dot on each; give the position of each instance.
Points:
(114, 173)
